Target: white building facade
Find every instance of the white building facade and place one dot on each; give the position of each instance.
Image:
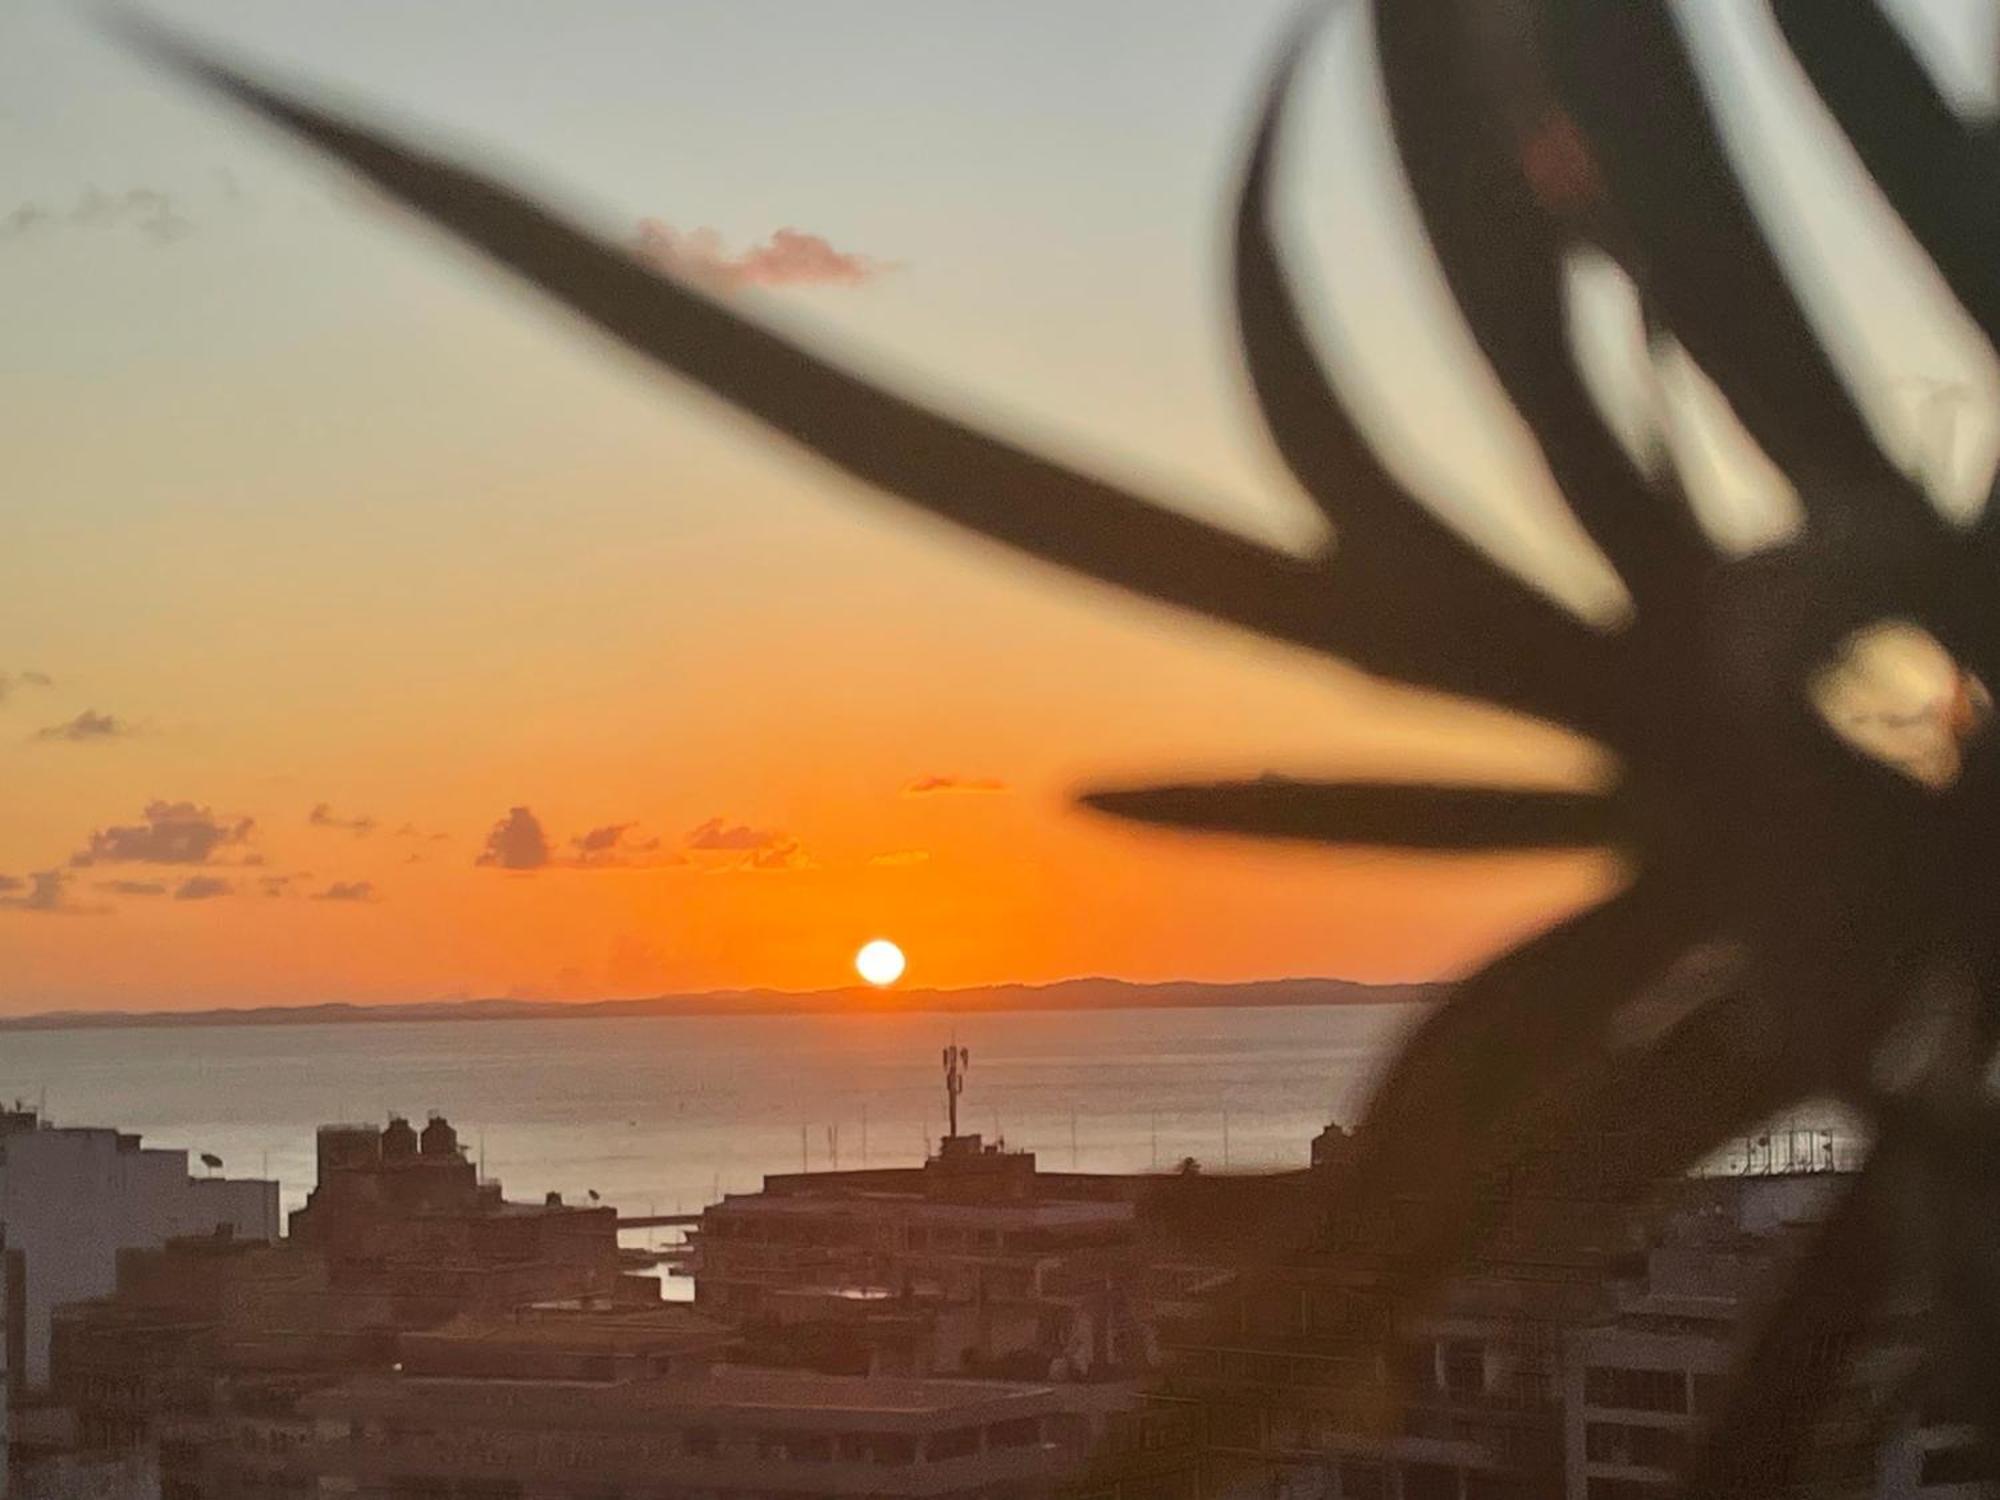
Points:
(71, 1199)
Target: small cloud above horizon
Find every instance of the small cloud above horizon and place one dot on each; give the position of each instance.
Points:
(44, 893)
(23, 679)
(790, 257)
(763, 849)
(173, 833)
(87, 727)
(900, 859)
(520, 842)
(516, 842)
(323, 816)
(203, 888)
(718, 834)
(131, 887)
(929, 786)
(153, 214)
(348, 890)
(614, 847)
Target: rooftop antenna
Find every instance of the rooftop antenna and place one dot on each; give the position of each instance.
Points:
(956, 1060)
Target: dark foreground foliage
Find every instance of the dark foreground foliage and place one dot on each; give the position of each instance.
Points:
(1802, 921)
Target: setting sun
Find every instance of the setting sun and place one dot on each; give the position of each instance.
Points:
(879, 962)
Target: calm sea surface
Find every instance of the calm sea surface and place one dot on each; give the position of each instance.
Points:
(663, 1114)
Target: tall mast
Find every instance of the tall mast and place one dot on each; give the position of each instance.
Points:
(956, 1060)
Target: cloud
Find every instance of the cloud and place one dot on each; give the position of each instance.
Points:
(349, 890)
(786, 854)
(278, 885)
(322, 816)
(174, 833)
(520, 842)
(603, 840)
(203, 888)
(900, 859)
(757, 848)
(22, 680)
(927, 786)
(46, 893)
(87, 726)
(152, 213)
(719, 834)
(516, 842)
(132, 887)
(613, 847)
(790, 257)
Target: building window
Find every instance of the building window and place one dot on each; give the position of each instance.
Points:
(1430, 1482)
(1635, 1390)
(1022, 1432)
(1362, 1481)
(1463, 1365)
(1625, 1443)
(1954, 1466)
(959, 1444)
(1235, 1427)
(1627, 1489)
(809, 1447)
(886, 1448)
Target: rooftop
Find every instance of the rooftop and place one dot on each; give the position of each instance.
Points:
(801, 1398)
(647, 1328)
(1026, 1213)
(802, 1390)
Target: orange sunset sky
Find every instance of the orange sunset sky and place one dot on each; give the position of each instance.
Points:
(326, 550)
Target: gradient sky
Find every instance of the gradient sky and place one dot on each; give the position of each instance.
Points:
(303, 509)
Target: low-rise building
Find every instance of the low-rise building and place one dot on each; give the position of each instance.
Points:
(973, 1264)
(208, 1347)
(71, 1199)
(729, 1431)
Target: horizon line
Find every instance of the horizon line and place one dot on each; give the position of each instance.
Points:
(1117, 994)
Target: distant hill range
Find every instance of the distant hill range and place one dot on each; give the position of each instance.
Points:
(1067, 994)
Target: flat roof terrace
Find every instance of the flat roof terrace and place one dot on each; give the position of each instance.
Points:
(1045, 1214)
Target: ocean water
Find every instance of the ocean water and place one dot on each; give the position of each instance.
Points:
(663, 1114)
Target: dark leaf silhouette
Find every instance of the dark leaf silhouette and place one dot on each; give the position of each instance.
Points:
(1378, 813)
(1525, 649)
(1797, 1359)
(1602, 1052)
(1443, 1127)
(1688, 237)
(1940, 174)
(1502, 250)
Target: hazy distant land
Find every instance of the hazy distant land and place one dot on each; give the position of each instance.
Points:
(1067, 994)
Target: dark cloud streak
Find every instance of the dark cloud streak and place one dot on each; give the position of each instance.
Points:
(927, 786)
(516, 842)
(348, 890)
(173, 833)
(87, 727)
(47, 894)
(323, 816)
